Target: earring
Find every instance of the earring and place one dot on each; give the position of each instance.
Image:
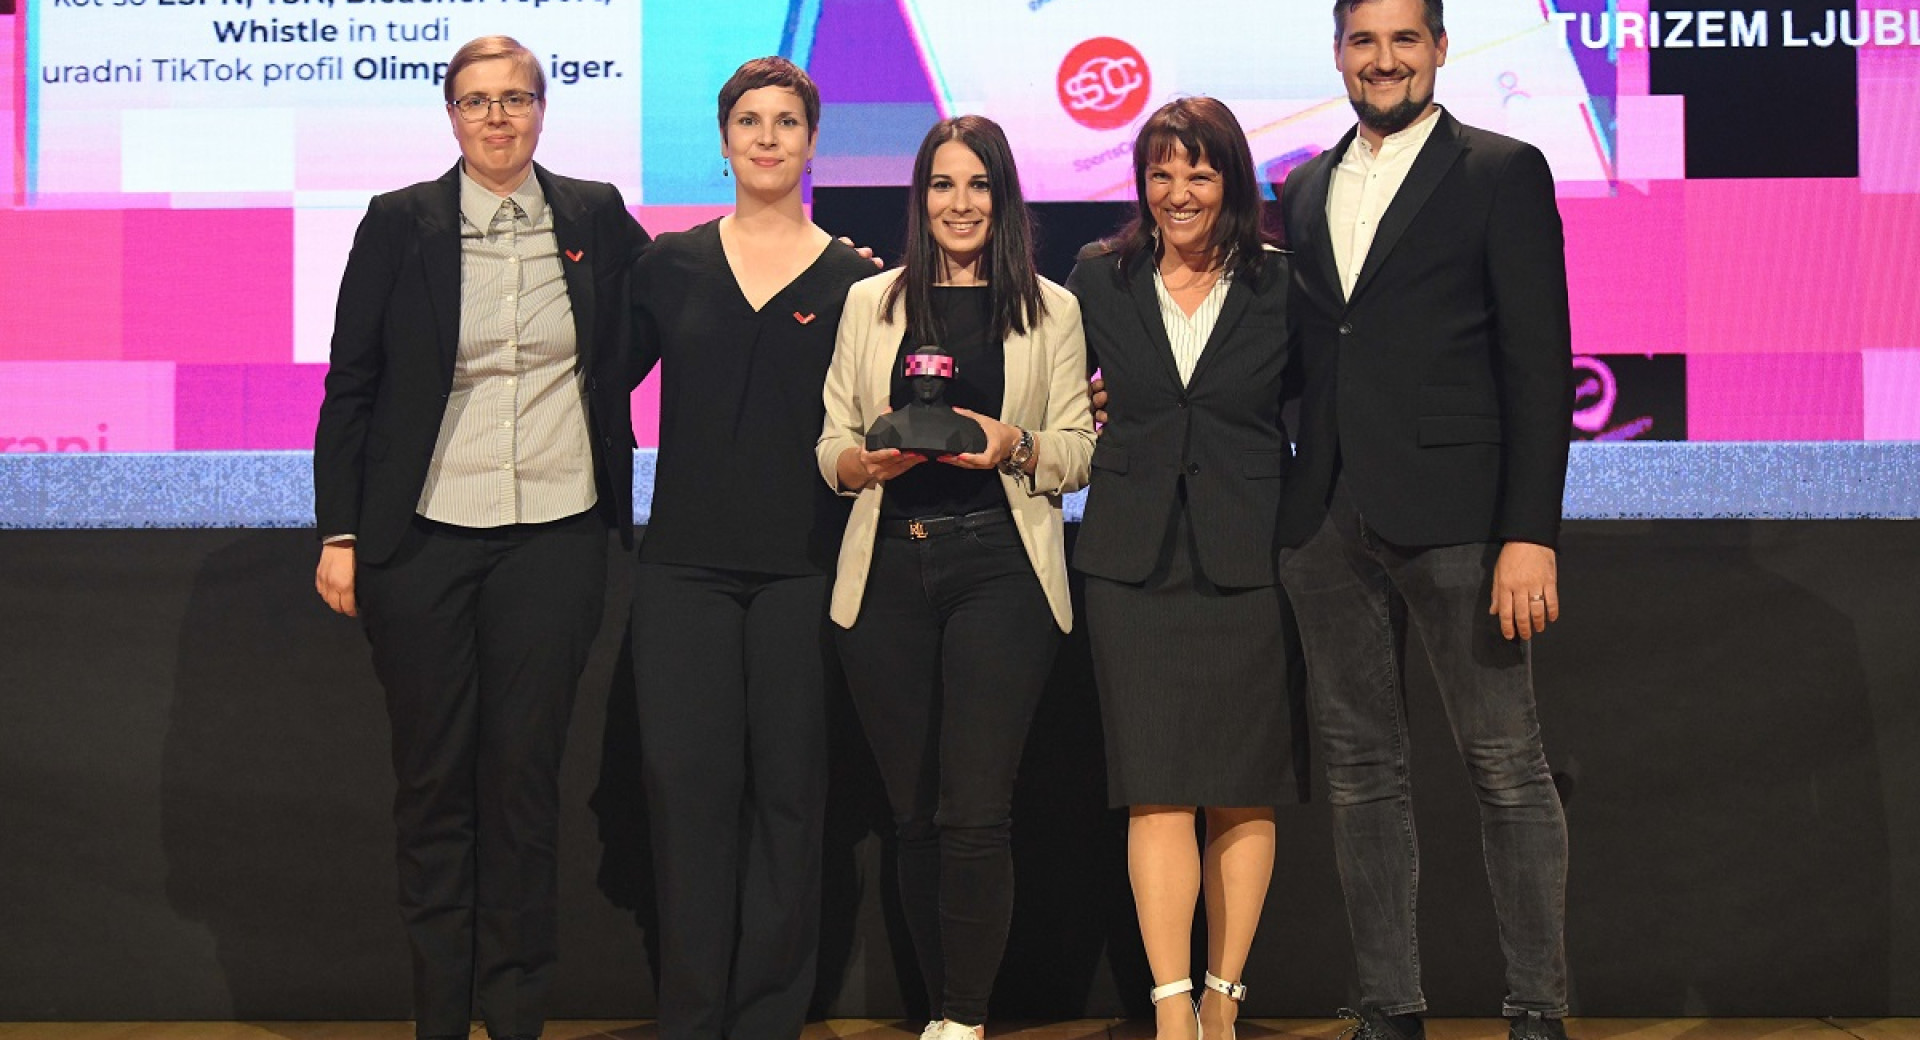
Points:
(809, 169)
(726, 168)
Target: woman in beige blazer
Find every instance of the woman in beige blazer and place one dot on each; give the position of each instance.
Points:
(951, 592)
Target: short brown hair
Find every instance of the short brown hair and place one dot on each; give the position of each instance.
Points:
(486, 48)
(771, 72)
(1436, 17)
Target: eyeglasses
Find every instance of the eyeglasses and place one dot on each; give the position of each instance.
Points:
(474, 107)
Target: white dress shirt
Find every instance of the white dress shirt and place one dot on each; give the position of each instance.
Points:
(1364, 185)
(513, 446)
(1188, 334)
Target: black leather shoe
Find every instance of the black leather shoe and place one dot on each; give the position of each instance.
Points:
(1533, 1026)
(1370, 1024)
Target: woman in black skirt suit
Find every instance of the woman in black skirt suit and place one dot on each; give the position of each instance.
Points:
(730, 594)
(1186, 316)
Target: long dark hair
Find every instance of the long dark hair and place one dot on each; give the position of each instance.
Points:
(1007, 265)
(1207, 130)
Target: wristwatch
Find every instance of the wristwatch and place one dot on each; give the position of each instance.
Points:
(1015, 464)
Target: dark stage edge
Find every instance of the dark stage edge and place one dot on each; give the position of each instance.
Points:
(194, 794)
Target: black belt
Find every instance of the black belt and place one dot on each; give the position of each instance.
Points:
(934, 526)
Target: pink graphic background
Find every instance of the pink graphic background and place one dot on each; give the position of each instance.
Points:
(190, 329)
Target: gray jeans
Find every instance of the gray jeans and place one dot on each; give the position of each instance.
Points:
(1356, 597)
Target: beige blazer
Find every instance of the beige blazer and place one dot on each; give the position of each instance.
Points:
(1046, 395)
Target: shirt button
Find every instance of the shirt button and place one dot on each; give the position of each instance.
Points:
(1346, 329)
(1193, 469)
(505, 466)
(506, 423)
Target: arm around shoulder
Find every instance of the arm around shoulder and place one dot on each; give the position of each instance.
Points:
(846, 420)
(1064, 443)
(643, 336)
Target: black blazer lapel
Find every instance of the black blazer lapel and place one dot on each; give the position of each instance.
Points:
(440, 254)
(1429, 169)
(573, 235)
(1312, 216)
(1239, 294)
(1146, 304)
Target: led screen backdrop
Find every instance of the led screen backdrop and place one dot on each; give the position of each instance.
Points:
(1741, 187)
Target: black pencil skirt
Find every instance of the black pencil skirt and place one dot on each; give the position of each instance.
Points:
(1197, 696)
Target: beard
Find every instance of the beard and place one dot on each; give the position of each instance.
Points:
(1393, 118)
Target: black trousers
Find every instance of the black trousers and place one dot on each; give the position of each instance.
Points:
(479, 637)
(946, 664)
(731, 676)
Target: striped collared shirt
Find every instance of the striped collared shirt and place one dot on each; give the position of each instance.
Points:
(513, 445)
(1188, 334)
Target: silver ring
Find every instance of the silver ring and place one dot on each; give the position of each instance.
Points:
(1537, 598)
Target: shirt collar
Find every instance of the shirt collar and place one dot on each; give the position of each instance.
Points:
(1411, 139)
(478, 205)
(1220, 284)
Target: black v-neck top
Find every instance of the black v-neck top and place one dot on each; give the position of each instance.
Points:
(735, 484)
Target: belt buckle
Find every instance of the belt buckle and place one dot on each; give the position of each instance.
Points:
(916, 530)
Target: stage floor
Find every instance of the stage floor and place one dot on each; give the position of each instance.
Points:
(1084, 1029)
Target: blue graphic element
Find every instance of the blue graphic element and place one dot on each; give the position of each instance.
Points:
(1600, 70)
(796, 43)
(31, 12)
(687, 50)
(1668, 480)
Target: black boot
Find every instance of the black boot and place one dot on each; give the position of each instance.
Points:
(1370, 1024)
(1531, 1025)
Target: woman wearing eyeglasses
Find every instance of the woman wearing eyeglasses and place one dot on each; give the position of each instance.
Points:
(729, 625)
(951, 594)
(473, 450)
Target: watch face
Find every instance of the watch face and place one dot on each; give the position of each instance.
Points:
(1022, 451)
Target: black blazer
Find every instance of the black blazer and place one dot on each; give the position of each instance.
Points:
(1443, 388)
(396, 333)
(1222, 433)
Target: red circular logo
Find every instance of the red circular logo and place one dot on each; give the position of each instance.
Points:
(1104, 83)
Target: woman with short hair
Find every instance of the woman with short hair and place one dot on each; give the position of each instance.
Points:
(730, 592)
(466, 474)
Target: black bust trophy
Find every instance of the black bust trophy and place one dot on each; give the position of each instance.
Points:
(927, 426)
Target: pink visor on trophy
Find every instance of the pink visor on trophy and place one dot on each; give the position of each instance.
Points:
(930, 365)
